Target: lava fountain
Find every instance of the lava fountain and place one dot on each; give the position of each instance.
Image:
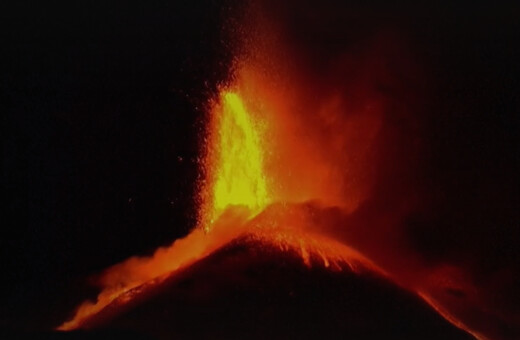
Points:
(238, 177)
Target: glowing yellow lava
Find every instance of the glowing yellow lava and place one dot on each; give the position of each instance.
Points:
(238, 172)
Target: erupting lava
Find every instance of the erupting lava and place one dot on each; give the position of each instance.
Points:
(238, 177)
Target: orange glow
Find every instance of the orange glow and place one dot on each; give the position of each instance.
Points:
(448, 316)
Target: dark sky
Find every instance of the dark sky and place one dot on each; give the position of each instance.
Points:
(102, 106)
(102, 109)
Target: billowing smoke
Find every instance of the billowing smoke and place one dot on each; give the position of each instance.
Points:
(358, 118)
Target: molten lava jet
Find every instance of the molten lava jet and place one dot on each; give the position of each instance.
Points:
(295, 161)
(238, 179)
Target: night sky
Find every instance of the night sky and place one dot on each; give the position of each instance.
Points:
(102, 106)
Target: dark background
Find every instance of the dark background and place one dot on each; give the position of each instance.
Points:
(102, 106)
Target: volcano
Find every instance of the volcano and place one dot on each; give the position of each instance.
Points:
(252, 289)
(271, 255)
(261, 169)
(312, 197)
